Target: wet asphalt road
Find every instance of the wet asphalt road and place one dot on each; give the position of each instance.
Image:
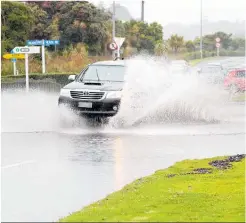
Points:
(49, 172)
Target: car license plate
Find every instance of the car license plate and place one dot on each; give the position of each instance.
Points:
(85, 105)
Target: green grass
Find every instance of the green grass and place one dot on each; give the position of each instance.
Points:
(239, 97)
(214, 197)
(196, 61)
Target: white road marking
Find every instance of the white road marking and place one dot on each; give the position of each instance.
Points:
(18, 164)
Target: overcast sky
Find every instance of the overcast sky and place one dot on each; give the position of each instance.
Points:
(184, 11)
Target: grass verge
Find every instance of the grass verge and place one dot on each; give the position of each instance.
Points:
(240, 97)
(196, 61)
(189, 191)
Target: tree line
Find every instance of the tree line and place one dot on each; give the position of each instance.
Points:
(72, 23)
(82, 22)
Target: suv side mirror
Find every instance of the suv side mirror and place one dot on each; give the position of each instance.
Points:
(71, 77)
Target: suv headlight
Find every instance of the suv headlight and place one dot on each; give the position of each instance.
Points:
(114, 94)
(65, 92)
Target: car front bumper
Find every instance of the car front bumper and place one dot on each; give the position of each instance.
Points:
(102, 108)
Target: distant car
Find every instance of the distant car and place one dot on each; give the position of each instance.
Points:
(182, 62)
(179, 66)
(235, 80)
(215, 64)
(213, 73)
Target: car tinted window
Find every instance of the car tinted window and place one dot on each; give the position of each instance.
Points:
(241, 73)
(104, 73)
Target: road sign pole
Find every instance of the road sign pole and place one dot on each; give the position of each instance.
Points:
(26, 69)
(217, 46)
(14, 67)
(43, 58)
(118, 52)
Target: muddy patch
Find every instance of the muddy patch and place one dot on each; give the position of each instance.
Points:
(219, 164)
(236, 158)
(171, 175)
(226, 164)
(203, 170)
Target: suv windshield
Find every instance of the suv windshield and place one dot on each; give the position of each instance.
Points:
(112, 73)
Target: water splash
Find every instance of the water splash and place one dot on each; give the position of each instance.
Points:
(34, 111)
(153, 95)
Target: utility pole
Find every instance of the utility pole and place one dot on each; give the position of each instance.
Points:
(142, 11)
(201, 33)
(113, 27)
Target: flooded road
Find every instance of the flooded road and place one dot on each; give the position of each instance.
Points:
(49, 170)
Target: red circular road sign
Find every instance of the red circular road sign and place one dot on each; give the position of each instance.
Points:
(217, 45)
(217, 39)
(112, 46)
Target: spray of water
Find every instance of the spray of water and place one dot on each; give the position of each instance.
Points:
(153, 95)
(28, 112)
(38, 111)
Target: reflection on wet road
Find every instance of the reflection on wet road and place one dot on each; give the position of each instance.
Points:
(70, 171)
(49, 171)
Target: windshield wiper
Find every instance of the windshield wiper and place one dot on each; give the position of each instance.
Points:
(97, 76)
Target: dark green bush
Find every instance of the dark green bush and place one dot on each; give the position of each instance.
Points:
(61, 79)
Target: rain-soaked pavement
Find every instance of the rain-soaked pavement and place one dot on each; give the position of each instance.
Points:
(49, 171)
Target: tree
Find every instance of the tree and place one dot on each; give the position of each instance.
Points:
(176, 42)
(238, 43)
(119, 28)
(209, 41)
(40, 27)
(84, 23)
(161, 48)
(53, 28)
(73, 23)
(17, 20)
(190, 46)
(151, 36)
(155, 31)
(225, 39)
(143, 36)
